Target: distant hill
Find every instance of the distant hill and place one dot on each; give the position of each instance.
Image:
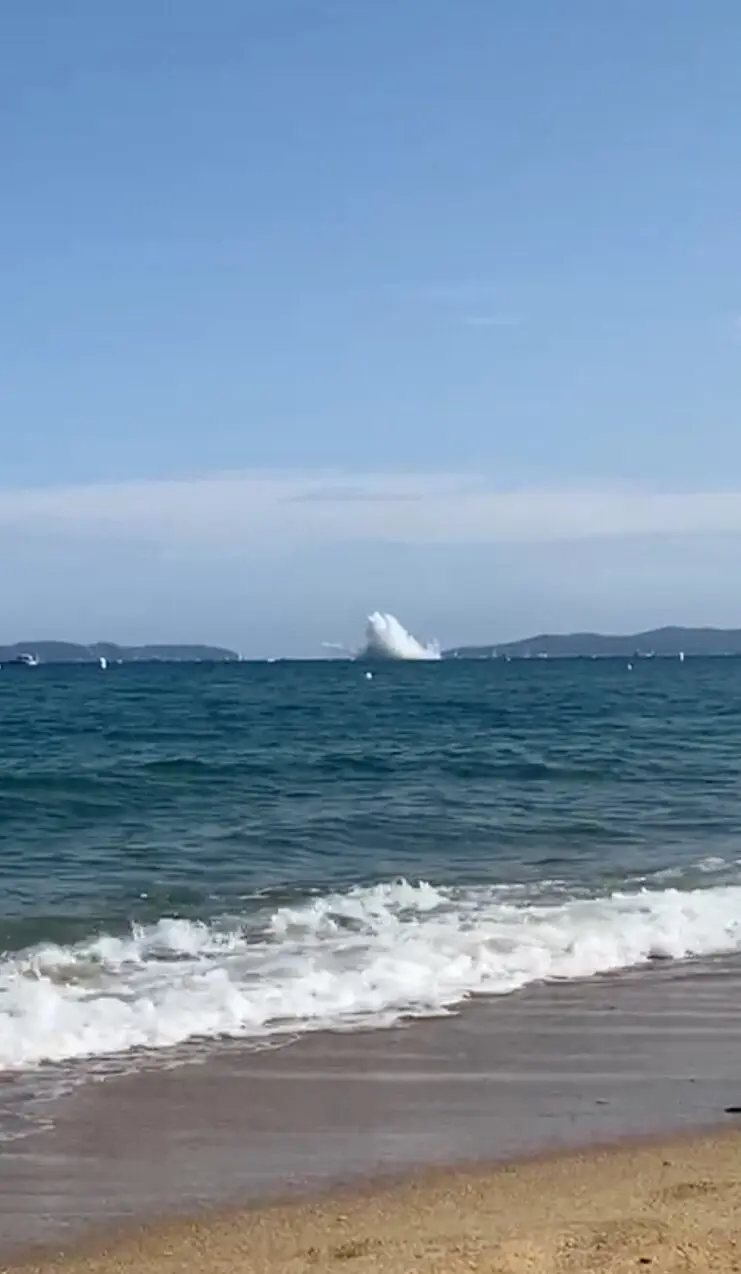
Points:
(660, 642)
(65, 652)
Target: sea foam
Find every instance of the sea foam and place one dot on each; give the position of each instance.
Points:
(368, 957)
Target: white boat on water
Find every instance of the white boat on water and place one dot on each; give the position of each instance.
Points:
(25, 660)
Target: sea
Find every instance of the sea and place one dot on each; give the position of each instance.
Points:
(203, 857)
(200, 852)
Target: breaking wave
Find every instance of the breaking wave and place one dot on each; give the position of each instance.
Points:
(386, 638)
(368, 957)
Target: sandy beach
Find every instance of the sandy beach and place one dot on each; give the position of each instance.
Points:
(665, 1206)
(552, 1071)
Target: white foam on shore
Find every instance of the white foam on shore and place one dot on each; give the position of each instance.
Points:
(368, 957)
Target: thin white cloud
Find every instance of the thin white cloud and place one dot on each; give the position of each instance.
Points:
(257, 511)
(472, 303)
(463, 292)
(491, 320)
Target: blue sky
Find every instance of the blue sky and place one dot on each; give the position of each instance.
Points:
(314, 307)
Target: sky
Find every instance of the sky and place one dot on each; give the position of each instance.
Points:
(315, 307)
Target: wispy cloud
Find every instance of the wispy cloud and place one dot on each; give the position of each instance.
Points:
(349, 495)
(471, 303)
(256, 510)
(469, 292)
(491, 320)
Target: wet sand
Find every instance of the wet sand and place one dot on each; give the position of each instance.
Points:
(666, 1207)
(651, 1053)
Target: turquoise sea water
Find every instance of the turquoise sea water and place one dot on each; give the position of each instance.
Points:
(251, 851)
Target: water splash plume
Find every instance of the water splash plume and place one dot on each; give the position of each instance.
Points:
(386, 638)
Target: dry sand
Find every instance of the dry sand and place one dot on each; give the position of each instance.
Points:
(674, 1206)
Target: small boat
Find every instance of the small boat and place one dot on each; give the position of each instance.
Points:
(25, 659)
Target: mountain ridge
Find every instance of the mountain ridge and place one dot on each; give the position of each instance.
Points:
(665, 642)
(68, 652)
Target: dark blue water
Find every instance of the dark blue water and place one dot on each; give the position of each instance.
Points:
(164, 825)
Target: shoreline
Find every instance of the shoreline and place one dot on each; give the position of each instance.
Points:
(668, 1203)
(553, 1070)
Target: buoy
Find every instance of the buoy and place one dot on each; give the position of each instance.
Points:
(369, 676)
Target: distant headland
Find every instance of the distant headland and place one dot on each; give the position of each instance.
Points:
(659, 643)
(67, 652)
